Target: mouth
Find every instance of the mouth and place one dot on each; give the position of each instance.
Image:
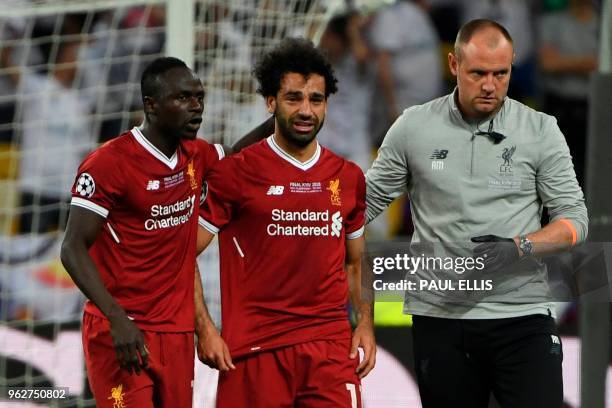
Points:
(303, 127)
(194, 124)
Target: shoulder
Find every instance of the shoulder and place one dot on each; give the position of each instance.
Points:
(348, 168)
(111, 153)
(254, 154)
(525, 117)
(234, 163)
(427, 110)
(207, 153)
(202, 145)
(414, 118)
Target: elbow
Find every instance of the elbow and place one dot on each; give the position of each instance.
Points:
(584, 231)
(581, 224)
(67, 252)
(578, 227)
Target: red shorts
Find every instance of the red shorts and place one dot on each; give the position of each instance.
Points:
(316, 374)
(168, 382)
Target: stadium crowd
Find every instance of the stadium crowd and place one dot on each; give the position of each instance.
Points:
(386, 61)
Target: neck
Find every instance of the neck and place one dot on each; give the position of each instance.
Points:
(302, 154)
(475, 117)
(167, 145)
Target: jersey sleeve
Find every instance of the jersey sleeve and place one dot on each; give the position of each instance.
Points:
(390, 174)
(211, 153)
(355, 221)
(98, 185)
(556, 181)
(221, 196)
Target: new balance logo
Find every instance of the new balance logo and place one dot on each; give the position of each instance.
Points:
(153, 185)
(439, 154)
(276, 190)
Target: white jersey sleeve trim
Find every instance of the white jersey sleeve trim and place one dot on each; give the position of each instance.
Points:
(113, 233)
(81, 202)
(208, 226)
(356, 234)
(220, 151)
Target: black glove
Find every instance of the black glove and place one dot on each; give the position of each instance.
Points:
(497, 252)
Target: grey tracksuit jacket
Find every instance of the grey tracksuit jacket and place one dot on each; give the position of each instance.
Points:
(462, 185)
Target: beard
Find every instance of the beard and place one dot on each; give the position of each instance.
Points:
(294, 138)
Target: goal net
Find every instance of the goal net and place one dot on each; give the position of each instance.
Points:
(69, 80)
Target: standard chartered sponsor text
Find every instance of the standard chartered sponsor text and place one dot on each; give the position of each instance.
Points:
(292, 223)
(173, 220)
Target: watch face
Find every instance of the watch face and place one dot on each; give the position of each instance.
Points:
(526, 246)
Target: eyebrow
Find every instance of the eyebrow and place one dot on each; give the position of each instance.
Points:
(478, 70)
(190, 92)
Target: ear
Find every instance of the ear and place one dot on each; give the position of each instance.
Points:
(271, 103)
(149, 105)
(453, 63)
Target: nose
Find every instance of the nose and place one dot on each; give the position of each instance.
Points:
(488, 85)
(196, 105)
(305, 108)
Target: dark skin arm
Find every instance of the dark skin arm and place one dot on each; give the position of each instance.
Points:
(81, 232)
(260, 132)
(212, 350)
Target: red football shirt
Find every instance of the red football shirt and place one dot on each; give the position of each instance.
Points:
(283, 226)
(146, 250)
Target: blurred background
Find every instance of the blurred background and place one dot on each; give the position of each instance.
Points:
(70, 80)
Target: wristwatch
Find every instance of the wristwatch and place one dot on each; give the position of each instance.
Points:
(525, 245)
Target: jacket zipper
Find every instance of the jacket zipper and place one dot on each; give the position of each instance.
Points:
(472, 157)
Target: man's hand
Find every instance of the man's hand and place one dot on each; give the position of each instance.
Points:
(497, 252)
(130, 347)
(213, 351)
(363, 337)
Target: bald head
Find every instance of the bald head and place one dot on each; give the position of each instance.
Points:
(481, 33)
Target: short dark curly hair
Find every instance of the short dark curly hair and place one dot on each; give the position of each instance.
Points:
(297, 55)
(150, 81)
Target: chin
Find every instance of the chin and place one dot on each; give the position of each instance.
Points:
(486, 109)
(301, 140)
(189, 135)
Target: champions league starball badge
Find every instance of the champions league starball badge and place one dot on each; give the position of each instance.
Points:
(86, 186)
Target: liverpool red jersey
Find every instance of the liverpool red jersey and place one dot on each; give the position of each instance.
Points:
(282, 227)
(146, 250)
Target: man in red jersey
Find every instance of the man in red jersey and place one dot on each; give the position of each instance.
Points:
(130, 246)
(290, 218)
